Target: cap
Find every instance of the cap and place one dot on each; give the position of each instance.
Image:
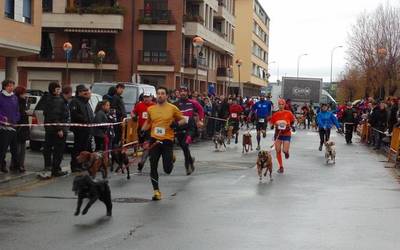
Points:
(147, 94)
(81, 88)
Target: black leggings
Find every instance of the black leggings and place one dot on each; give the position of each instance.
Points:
(164, 149)
(324, 135)
(185, 148)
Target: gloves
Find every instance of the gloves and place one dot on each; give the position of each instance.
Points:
(174, 125)
(189, 139)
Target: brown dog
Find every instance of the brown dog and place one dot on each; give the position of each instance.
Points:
(94, 162)
(264, 161)
(330, 152)
(247, 143)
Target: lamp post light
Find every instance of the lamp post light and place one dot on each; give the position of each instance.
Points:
(239, 63)
(197, 44)
(298, 63)
(101, 55)
(67, 47)
(277, 71)
(333, 50)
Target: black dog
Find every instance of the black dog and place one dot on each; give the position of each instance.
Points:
(85, 187)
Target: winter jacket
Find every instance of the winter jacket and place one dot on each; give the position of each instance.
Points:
(81, 112)
(23, 132)
(189, 107)
(9, 109)
(118, 104)
(326, 120)
(55, 112)
(378, 119)
(348, 116)
(101, 117)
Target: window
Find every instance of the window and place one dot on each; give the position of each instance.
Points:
(259, 72)
(47, 5)
(27, 11)
(9, 8)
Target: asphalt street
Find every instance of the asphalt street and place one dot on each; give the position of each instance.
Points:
(354, 204)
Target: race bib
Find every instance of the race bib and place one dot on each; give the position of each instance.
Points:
(261, 120)
(145, 115)
(159, 131)
(281, 125)
(234, 115)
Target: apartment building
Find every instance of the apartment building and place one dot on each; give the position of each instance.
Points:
(164, 43)
(252, 46)
(20, 35)
(89, 26)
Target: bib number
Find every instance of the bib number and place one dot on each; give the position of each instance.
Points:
(159, 131)
(261, 120)
(281, 125)
(234, 115)
(145, 115)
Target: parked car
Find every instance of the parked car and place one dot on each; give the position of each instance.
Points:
(38, 133)
(131, 93)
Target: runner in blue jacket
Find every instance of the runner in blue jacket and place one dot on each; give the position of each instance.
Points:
(326, 120)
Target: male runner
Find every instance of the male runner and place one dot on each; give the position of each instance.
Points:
(263, 110)
(162, 119)
(235, 111)
(185, 134)
(140, 113)
(282, 121)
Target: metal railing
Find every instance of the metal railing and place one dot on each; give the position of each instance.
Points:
(155, 17)
(155, 57)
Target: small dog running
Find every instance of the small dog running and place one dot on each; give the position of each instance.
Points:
(86, 188)
(264, 161)
(219, 141)
(330, 152)
(247, 143)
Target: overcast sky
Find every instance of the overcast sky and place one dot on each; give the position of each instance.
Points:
(313, 27)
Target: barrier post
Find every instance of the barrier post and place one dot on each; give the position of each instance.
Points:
(394, 145)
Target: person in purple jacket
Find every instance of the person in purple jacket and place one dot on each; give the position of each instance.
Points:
(9, 113)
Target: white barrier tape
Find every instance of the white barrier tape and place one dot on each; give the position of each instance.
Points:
(92, 125)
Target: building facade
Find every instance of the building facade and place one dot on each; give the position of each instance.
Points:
(20, 34)
(252, 47)
(164, 43)
(89, 26)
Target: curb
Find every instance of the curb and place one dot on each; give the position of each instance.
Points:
(11, 181)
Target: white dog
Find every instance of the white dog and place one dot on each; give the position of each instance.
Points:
(330, 152)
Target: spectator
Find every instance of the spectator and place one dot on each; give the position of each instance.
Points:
(82, 113)
(101, 133)
(394, 109)
(209, 111)
(9, 112)
(117, 103)
(378, 121)
(54, 112)
(22, 132)
(349, 120)
(110, 94)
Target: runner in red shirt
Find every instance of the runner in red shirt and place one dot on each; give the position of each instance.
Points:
(139, 112)
(235, 110)
(282, 120)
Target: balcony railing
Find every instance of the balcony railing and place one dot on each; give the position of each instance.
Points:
(191, 62)
(193, 18)
(101, 10)
(155, 57)
(224, 72)
(220, 33)
(76, 56)
(155, 17)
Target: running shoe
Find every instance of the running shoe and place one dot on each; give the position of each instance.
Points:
(190, 168)
(320, 148)
(156, 195)
(140, 167)
(264, 134)
(280, 170)
(258, 148)
(286, 155)
(173, 158)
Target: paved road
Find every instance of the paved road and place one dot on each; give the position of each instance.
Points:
(353, 205)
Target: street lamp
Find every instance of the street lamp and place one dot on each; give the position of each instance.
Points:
(197, 44)
(298, 63)
(239, 63)
(333, 50)
(67, 47)
(101, 55)
(277, 71)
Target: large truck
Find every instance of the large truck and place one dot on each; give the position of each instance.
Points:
(301, 90)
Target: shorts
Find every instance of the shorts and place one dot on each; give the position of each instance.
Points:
(261, 126)
(284, 138)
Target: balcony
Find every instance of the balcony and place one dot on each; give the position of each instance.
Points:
(159, 20)
(223, 13)
(155, 60)
(212, 39)
(212, 3)
(193, 18)
(224, 74)
(110, 22)
(82, 59)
